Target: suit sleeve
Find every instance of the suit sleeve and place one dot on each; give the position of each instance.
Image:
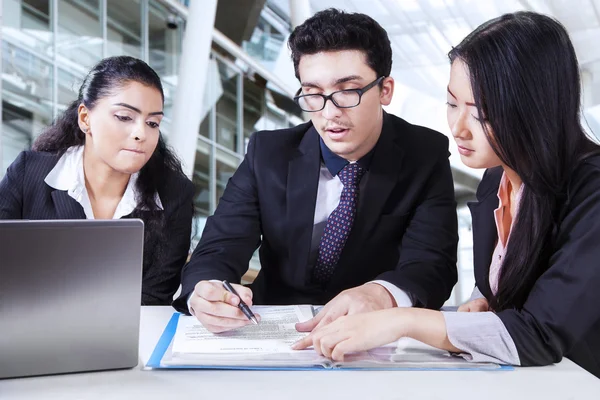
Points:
(162, 281)
(426, 269)
(11, 189)
(230, 236)
(562, 306)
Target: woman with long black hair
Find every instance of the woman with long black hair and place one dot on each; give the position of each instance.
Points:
(105, 158)
(513, 109)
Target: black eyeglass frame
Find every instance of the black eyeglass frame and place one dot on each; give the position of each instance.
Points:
(360, 93)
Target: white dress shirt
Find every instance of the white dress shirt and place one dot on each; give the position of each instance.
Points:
(68, 175)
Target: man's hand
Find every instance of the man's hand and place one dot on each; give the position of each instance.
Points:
(217, 309)
(361, 299)
(477, 305)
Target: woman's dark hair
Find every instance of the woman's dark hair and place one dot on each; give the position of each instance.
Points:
(104, 79)
(335, 30)
(525, 80)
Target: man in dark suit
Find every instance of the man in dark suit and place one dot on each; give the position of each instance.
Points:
(354, 209)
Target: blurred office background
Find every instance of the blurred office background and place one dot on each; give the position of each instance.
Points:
(238, 63)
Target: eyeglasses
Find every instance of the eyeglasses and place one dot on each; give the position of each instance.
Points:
(347, 98)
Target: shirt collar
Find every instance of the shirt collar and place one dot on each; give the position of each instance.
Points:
(68, 175)
(503, 193)
(335, 163)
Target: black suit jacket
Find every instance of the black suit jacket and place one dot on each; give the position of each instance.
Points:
(25, 195)
(561, 316)
(405, 230)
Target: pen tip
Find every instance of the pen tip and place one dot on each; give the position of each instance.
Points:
(254, 320)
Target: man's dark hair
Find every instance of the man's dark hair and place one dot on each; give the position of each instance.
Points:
(335, 30)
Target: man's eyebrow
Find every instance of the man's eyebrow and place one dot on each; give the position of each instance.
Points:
(348, 79)
(336, 82)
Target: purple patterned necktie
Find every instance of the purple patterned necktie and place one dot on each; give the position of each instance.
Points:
(338, 224)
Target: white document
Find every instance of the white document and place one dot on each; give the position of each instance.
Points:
(275, 333)
(268, 344)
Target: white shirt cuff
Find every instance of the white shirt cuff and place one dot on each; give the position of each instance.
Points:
(481, 337)
(189, 300)
(400, 296)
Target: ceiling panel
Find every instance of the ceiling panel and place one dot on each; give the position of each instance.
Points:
(423, 31)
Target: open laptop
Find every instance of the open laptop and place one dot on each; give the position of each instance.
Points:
(70, 293)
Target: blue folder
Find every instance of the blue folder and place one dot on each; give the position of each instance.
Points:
(164, 343)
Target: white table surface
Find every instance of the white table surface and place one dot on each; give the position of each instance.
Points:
(562, 381)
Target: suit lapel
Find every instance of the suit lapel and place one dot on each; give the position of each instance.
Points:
(66, 207)
(485, 235)
(301, 198)
(382, 177)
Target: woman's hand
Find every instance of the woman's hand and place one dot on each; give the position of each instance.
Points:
(354, 333)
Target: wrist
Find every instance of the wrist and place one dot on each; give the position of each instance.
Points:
(403, 320)
(384, 297)
(407, 321)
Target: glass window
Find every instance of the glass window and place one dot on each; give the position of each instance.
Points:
(204, 126)
(69, 83)
(16, 133)
(26, 100)
(124, 30)
(201, 178)
(254, 105)
(266, 42)
(27, 22)
(79, 31)
(273, 118)
(213, 91)
(226, 165)
(165, 35)
(227, 120)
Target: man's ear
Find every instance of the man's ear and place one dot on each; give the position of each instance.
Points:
(386, 91)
